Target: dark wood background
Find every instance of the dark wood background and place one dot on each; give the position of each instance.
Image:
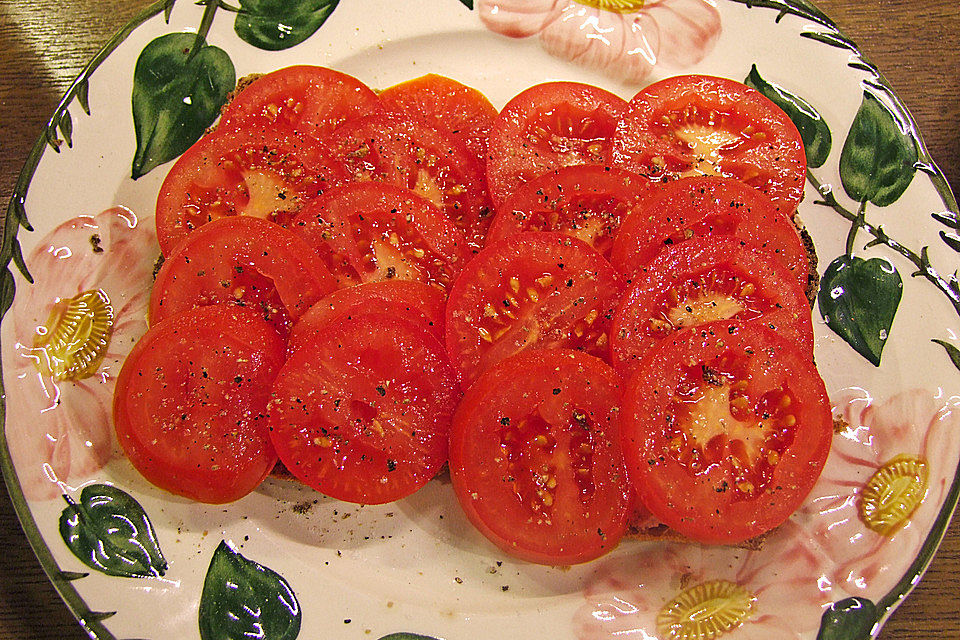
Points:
(45, 43)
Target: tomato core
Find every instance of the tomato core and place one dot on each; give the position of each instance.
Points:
(541, 455)
(714, 419)
(577, 136)
(706, 136)
(718, 294)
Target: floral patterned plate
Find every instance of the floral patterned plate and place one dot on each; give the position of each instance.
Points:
(284, 562)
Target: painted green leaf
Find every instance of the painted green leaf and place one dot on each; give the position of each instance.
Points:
(879, 156)
(280, 24)
(242, 599)
(799, 8)
(858, 299)
(177, 94)
(814, 130)
(951, 239)
(948, 218)
(468, 4)
(407, 636)
(850, 619)
(8, 288)
(66, 127)
(110, 532)
(83, 95)
(952, 351)
(831, 38)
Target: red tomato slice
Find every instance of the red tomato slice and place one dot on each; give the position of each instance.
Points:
(190, 400)
(300, 99)
(548, 126)
(449, 106)
(245, 261)
(250, 171)
(371, 231)
(585, 201)
(534, 290)
(700, 281)
(363, 412)
(701, 125)
(535, 457)
(707, 206)
(406, 153)
(726, 428)
(411, 300)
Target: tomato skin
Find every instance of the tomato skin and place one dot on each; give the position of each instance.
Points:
(369, 231)
(362, 413)
(409, 299)
(707, 276)
(568, 401)
(190, 400)
(548, 126)
(403, 152)
(705, 206)
(301, 99)
(248, 171)
(585, 201)
(533, 290)
(696, 489)
(446, 105)
(763, 149)
(220, 263)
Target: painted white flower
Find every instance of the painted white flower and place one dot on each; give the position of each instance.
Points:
(72, 329)
(625, 39)
(857, 533)
(665, 589)
(866, 511)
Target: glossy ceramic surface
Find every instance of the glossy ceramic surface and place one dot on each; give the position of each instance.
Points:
(285, 562)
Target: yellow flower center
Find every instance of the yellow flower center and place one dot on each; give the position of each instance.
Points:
(893, 493)
(75, 337)
(705, 611)
(617, 6)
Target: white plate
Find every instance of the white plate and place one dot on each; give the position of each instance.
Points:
(417, 566)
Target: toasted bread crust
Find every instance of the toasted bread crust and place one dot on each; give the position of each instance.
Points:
(242, 84)
(644, 528)
(813, 277)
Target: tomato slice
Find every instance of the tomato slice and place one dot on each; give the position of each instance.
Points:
(704, 280)
(244, 261)
(726, 427)
(300, 99)
(535, 457)
(249, 171)
(548, 126)
(363, 412)
(447, 105)
(406, 153)
(190, 399)
(585, 201)
(408, 299)
(695, 207)
(702, 125)
(534, 290)
(370, 231)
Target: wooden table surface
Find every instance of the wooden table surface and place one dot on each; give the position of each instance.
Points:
(45, 43)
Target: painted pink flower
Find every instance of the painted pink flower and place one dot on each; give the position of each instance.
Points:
(58, 424)
(825, 553)
(625, 39)
(913, 425)
(782, 584)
